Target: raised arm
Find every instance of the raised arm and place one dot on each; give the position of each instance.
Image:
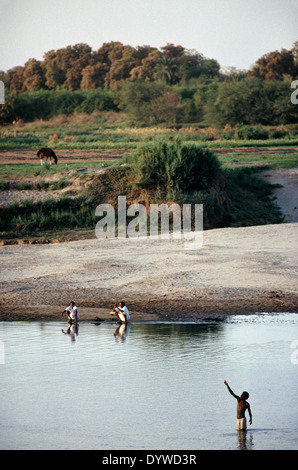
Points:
(231, 392)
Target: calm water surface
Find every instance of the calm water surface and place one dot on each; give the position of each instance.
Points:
(153, 386)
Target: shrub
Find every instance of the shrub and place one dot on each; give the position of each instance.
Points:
(4, 185)
(278, 132)
(245, 132)
(136, 98)
(185, 167)
(109, 184)
(45, 104)
(51, 214)
(96, 100)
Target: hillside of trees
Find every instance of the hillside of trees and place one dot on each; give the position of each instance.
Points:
(152, 86)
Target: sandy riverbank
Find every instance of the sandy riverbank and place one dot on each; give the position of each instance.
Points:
(238, 270)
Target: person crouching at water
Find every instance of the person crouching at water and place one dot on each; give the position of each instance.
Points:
(122, 312)
(242, 406)
(72, 313)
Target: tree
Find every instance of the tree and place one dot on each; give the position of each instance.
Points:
(64, 67)
(33, 75)
(80, 57)
(16, 79)
(135, 97)
(210, 68)
(147, 69)
(241, 102)
(7, 112)
(167, 69)
(54, 74)
(93, 76)
(190, 65)
(167, 108)
(121, 67)
(172, 51)
(274, 65)
(284, 112)
(295, 53)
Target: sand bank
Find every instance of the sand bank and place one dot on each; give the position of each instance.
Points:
(237, 270)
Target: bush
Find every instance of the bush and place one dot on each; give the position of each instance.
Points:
(50, 214)
(4, 185)
(136, 97)
(96, 100)
(112, 182)
(184, 167)
(45, 104)
(278, 132)
(245, 132)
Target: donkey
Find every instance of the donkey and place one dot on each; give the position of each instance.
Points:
(47, 153)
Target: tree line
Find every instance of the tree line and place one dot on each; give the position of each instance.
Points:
(79, 67)
(170, 85)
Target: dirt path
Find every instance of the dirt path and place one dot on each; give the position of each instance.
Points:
(68, 155)
(29, 155)
(286, 196)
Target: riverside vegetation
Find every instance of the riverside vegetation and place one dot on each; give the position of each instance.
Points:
(170, 110)
(160, 171)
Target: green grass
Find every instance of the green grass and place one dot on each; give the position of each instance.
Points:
(272, 160)
(249, 198)
(245, 201)
(110, 130)
(30, 218)
(26, 170)
(106, 143)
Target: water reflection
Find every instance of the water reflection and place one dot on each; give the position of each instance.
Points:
(122, 332)
(245, 440)
(171, 378)
(72, 331)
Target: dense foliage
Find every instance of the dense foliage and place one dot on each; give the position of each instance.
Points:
(172, 85)
(78, 67)
(174, 165)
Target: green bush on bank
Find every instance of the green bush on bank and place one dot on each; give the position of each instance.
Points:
(258, 132)
(183, 167)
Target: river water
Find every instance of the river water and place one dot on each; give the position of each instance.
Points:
(151, 386)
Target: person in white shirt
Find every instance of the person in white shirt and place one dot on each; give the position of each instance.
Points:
(122, 312)
(72, 313)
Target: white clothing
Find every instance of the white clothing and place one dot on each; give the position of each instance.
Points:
(241, 424)
(125, 311)
(73, 312)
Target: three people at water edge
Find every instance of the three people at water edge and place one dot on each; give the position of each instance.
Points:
(122, 312)
(72, 313)
(242, 406)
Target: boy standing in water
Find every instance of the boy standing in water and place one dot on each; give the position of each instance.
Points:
(242, 406)
(72, 313)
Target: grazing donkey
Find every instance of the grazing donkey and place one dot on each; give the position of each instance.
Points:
(47, 153)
